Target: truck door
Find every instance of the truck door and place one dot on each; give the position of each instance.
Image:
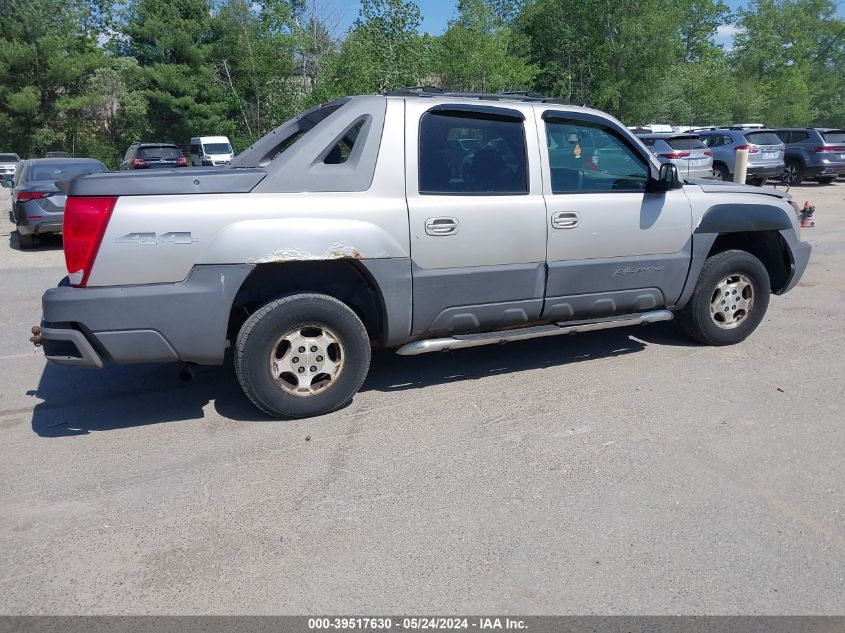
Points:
(477, 216)
(612, 247)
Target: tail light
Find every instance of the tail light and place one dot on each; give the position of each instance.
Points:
(139, 162)
(829, 148)
(751, 149)
(676, 155)
(23, 196)
(708, 153)
(85, 223)
(181, 162)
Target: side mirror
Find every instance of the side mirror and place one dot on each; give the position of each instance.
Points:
(667, 177)
(7, 184)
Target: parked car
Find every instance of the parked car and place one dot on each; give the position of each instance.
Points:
(37, 203)
(57, 155)
(153, 156)
(8, 163)
(347, 225)
(685, 151)
(211, 151)
(817, 153)
(765, 153)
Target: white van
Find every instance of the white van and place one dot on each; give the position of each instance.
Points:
(211, 151)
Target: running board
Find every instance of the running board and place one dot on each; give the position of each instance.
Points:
(506, 336)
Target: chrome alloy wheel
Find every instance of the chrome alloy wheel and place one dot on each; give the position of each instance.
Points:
(732, 301)
(307, 360)
(790, 174)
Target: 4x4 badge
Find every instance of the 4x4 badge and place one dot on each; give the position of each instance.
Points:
(179, 237)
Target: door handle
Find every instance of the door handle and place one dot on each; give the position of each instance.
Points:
(441, 226)
(565, 220)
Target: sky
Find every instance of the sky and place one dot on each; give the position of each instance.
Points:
(437, 13)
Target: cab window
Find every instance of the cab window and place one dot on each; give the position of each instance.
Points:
(587, 156)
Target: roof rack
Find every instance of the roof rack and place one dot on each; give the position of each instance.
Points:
(433, 91)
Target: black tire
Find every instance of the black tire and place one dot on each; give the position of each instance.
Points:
(793, 173)
(260, 334)
(825, 180)
(26, 241)
(695, 317)
(720, 172)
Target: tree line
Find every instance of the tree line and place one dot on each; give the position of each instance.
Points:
(92, 76)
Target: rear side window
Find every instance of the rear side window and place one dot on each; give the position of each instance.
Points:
(834, 136)
(798, 137)
(62, 171)
(343, 148)
(159, 151)
(468, 153)
(762, 138)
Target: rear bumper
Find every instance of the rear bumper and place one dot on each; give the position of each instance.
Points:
(33, 219)
(704, 172)
(186, 321)
(759, 171)
(825, 169)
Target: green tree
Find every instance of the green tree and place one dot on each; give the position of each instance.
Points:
(172, 42)
(253, 56)
(48, 50)
(794, 52)
(608, 53)
(382, 51)
(476, 54)
(699, 21)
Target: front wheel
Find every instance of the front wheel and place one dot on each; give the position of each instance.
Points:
(302, 355)
(729, 300)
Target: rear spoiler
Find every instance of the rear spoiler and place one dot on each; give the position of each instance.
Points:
(164, 182)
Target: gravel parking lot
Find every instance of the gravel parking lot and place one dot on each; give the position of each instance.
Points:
(624, 471)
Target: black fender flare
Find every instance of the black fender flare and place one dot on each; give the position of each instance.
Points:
(736, 218)
(740, 218)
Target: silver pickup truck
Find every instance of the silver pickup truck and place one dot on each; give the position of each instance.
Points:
(415, 220)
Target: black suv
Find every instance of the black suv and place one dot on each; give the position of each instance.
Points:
(153, 156)
(813, 152)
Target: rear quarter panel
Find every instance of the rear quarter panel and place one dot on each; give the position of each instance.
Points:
(245, 228)
(260, 227)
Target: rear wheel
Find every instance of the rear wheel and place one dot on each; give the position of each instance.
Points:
(729, 301)
(825, 180)
(720, 172)
(302, 355)
(793, 173)
(26, 241)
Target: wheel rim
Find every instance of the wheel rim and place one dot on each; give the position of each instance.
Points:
(307, 360)
(732, 301)
(718, 175)
(790, 173)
